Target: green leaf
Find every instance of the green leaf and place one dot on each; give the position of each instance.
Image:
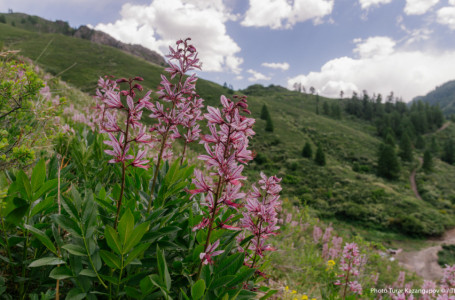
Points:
(125, 226)
(16, 215)
(148, 285)
(38, 175)
(242, 277)
(76, 294)
(230, 265)
(47, 261)
(268, 294)
(69, 207)
(136, 252)
(135, 237)
(60, 273)
(113, 240)
(42, 206)
(88, 273)
(24, 185)
(75, 249)
(222, 281)
(46, 187)
(198, 289)
(67, 224)
(111, 259)
(43, 238)
(162, 268)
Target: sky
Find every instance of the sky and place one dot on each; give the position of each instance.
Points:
(378, 46)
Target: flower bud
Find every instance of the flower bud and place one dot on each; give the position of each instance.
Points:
(121, 80)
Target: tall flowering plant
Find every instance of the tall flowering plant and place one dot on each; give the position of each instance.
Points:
(185, 104)
(227, 152)
(122, 123)
(260, 217)
(349, 264)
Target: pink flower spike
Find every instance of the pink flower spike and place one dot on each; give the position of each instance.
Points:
(210, 252)
(139, 162)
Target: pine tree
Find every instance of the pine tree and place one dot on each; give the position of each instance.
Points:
(448, 154)
(388, 165)
(307, 151)
(326, 108)
(420, 143)
(265, 113)
(405, 148)
(269, 124)
(320, 156)
(427, 161)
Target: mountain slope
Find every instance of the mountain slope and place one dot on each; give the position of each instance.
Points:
(346, 190)
(443, 95)
(37, 24)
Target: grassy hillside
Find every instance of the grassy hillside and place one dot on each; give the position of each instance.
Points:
(443, 95)
(346, 189)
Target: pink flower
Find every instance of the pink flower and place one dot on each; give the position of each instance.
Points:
(139, 162)
(206, 257)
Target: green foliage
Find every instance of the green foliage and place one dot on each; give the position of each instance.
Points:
(2, 19)
(448, 154)
(24, 114)
(405, 148)
(446, 256)
(388, 165)
(420, 142)
(269, 124)
(265, 115)
(307, 151)
(427, 161)
(319, 158)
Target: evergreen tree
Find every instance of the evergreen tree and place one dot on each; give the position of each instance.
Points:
(326, 108)
(427, 161)
(269, 124)
(265, 113)
(405, 148)
(317, 104)
(420, 143)
(434, 147)
(2, 19)
(388, 165)
(389, 138)
(320, 156)
(448, 154)
(307, 151)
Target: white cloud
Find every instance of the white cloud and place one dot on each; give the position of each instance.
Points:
(278, 14)
(406, 73)
(374, 46)
(256, 76)
(418, 7)
(446, 15)
(283, 66)
(163, 22)
(366, 4)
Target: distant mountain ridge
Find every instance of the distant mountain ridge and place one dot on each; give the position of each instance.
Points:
(443, 95)
(35, 23)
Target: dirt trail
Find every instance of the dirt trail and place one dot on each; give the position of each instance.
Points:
(425, 262)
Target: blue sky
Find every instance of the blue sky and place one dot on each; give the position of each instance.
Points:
(405, 46)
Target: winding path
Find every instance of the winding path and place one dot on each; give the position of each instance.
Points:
(425, 262)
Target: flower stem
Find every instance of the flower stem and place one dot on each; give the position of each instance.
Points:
(155, 176)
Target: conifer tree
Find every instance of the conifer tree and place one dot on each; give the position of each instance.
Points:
(448, 154)
(388, 165)
(427, 161)
(405, 148)
(269, 124)
(326, 108)
(320, 156)
(420, 143)
(265, 113)
(307, 151)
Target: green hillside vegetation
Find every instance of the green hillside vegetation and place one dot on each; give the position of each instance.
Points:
(346, 189)
(443, 95)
